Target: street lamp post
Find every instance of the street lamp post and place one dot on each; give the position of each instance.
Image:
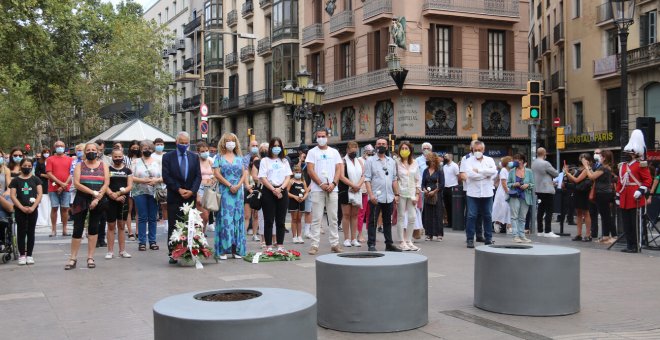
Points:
(623, 12)
(302, 100)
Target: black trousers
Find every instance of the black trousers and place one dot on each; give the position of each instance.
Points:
(628, 217)
(174, 213)
(374, 211)
(25, 225)
(602, 204)
(545, 212)
(593, 213)
(79, 219)
(446, 198)
(274, 210)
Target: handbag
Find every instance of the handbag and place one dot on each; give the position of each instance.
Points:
(254, 198)
(212, 198)
(160, 192)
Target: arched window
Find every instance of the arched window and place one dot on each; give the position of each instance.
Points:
(652, 101)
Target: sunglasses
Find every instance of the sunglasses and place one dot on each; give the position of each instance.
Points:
(386, 172)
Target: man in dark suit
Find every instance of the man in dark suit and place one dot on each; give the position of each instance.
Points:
(182, 175)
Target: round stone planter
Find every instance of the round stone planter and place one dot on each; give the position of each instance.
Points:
(532, 280)
(372, 292)
(246, 314)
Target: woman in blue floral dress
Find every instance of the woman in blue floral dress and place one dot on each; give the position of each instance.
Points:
(230, 172)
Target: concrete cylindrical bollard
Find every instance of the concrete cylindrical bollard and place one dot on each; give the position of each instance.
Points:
(532, 280)
(246, 314)
(372, 292)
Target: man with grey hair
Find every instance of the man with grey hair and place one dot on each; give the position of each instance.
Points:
(463, 178)
(545, 191)
(421, 160)
(182, 175)
(478, 171)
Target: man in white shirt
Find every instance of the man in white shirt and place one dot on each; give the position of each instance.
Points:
(324, 166)
(463, 178)
(479, 169)
(159, 149)
(451, 173)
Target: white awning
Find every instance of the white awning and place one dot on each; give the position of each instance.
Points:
(136, 129)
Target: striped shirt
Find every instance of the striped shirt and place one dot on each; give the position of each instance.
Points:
(92, 178)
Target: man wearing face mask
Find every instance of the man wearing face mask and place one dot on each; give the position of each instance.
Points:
(159, 149)
(479, 170)
(324, 166)
(182, 175)
(380, 175)
(58, 169)
(463, 178)
(452, 175)
(421, 160)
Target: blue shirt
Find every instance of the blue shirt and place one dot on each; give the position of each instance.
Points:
(381, 173)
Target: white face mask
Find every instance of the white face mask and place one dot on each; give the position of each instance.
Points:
(230, 146)
(322, 141)
(478, 154)
(597, 157)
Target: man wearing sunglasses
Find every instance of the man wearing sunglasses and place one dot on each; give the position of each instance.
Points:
(383, 189)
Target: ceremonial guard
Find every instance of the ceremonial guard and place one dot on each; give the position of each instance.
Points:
(634, 182)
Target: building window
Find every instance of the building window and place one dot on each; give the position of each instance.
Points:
(167, 14)
(213, 55)
(348, 123)
(285, 19)
(347, 58)
(496, 50)
(348, 5)
(647, 28)
(384, 112)
(612, 41)
(577, 8)
(652, 101)
(442, 46)
(579, 118)
(213, 10)
(314, 66)
(496, 118)
(440, 117)
(233, 86)
(250, 81)
(285, 66)
(577, 52)
(291, 130)
(160, 19)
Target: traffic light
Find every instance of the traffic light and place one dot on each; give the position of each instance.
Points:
(534, 93)
(561, 139)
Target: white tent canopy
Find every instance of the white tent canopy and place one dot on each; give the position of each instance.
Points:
(135, 129)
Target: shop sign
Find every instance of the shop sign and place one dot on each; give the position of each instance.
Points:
(591, 137)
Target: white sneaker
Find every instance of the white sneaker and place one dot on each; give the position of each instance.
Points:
(551, 235)
(306, 235)
(22, 261)
(109, 256)
(236, 256)
(124, 254)
(347, 243)
(404, 246)
(223, 257)
(540, 234)
(412, 247)
(30, 260)
(256, 238)
(250, 232)
(210, 227)
(281, 249)
(269, 249)
(517, 239)
(355, 243)
(526, 240)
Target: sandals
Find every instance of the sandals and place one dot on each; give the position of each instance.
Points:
(71, 265)
(53, 234)
(90, 263)
(153, 246)
(142, 247)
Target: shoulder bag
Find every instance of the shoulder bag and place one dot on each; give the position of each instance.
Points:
(160, 193)
(212, 198)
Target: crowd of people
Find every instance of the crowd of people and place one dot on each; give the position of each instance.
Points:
(381, 187)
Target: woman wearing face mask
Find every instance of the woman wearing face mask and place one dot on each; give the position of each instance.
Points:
(207, 179)
(91, 179)
(410, 185)
(297, 196)
(251, 180)
(147, 178)
(520, 183)
(230, 173)
(6, 204)
(582, 188)
(433, 182)
(263, 153)
(15, 157)
(121, 183)
(501, 210)
(274, 174)
(133, 156)
(350, 197)
(26, 192)
(602, 177)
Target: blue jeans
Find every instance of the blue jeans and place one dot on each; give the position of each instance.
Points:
(147, 208)
(479, 206)
(519, 208)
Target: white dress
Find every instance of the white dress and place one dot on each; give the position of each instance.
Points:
(501, 210)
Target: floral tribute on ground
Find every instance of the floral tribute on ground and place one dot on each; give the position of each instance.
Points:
(188, 241)
(272, 256)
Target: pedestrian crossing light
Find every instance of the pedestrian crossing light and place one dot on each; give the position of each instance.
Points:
(534, 99)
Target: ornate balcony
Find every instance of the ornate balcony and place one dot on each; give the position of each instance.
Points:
(255, 100)
(374, 11)
(247, 54)
(341, 24)
(179, 107)
(263, 47)
(229, 104)
(643, 57)
(558, 34)
(231, 60)
(312, 35)
(232, 18)
(247, 9)
(265, 3)
(504, 10)
(191, 26)
(422, 76)
(557, 80)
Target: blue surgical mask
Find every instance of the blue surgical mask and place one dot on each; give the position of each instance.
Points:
(2, 160)
(254, 150)
(17, 159)
(510, 164)
(46, 155)
(204, 155)
(79, 154)
(515, 164)
(59, 150)
(182, 147)
(160, 148)
(276, 150)
(297, 175)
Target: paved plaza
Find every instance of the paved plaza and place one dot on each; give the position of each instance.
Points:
(620, 298)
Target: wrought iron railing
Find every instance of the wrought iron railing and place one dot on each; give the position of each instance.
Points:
(422, 75)
(192, 25)
(229, 104)
(341, 20)
(255, 98)
(508, 8)
(231, 60)
(374, 8)
(232, 18)
(247, 53)
(312, 32)
(247, 9)
(558, 33)
(265, 3)
(263, 46)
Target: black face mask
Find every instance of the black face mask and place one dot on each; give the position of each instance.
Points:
(445, 161)
(118, 161)
(352, 155)
(90, 156)
(135, 153)
(26, 171)
(628, 157)
(146, 153)
(263, 154)
(382, 150)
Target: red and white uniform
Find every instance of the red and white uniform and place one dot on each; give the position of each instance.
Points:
(632, 176)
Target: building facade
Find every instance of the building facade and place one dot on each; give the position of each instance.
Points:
(467, 65)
